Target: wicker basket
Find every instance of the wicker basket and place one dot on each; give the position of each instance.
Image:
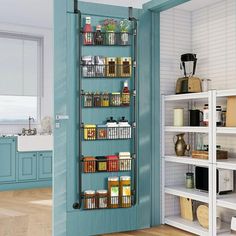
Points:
(204, 154)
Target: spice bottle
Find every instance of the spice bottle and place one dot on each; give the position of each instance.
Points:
(125, 97)
(89, 199)
(101, 196)
(98, 37)
(125, 191)
(88, 32)
(205, 115)
(113, 192)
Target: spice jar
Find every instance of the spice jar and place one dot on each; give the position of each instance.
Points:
(101, 196)
(113, 192)
(98, 37)
(113, 163)
(89, 164)
(89, 132)
(105, 100)
(205, 115)
(101, 132)
(88, 100)
(125, 191)
(115, 99)
(101, 164)
(124, 161)
(218, 115)
(124, 129)
(97, 100)
(89, 199)
(189, 180)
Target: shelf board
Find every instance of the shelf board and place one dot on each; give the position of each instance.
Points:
(229, 164)
(187, 129)
(226, 130)
(182, 191)
(227, 201)
(187, 96)
(226, 93)
(187, 160)
(190, 226)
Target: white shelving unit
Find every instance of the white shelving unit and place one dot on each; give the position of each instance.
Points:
(168, 161)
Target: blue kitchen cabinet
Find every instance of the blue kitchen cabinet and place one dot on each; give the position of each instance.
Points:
(7, 159)
(45, 165)
(27, 166)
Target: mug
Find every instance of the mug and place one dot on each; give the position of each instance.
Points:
(179, 117)
(195, 117)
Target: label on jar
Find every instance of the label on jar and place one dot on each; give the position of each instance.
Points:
(114, 194)
(126, 197)
(102, 203)
(90, 202)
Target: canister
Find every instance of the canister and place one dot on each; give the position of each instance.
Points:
(124, 129)
(89, 199)
(178, 117)
(125, 161)
(112, 163)
(111, 64)
(112, 129)
(116, 99)
(101, 196)
(125, 191)
(124, 66)
(101, 163)
(113, 192)
(89, 132)
(101, 132)
(89, 164)
(189, 180)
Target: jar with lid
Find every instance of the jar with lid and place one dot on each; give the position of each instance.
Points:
(97, 100)
(88, 100)
(115, 99)
(112, 129)
(124, 129)
(205, 115)
(89, 199)
(125, 191)
(105, 100)
(218, 115)
(189, 180)
(124, 161)
(101, 196)
(113, 192)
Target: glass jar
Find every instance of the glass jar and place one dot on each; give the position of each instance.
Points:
(88, 100)
(105, 100)
(113, 192)
(101, 196)
(97, 100)
(205, 115)
(89, 199)
(125, 191)
(218, 115)
(115, 99)
(189, 180)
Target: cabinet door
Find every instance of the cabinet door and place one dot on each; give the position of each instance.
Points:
(7, 160)
(45, 165)
(27, 166)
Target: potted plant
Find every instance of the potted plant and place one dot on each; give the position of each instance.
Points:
(109, 25)
(124, 26)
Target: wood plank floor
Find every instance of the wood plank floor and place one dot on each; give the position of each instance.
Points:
(29, 213)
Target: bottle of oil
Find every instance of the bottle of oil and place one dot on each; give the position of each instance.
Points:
(125, 94)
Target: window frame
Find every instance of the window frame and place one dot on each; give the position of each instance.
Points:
(40, 48)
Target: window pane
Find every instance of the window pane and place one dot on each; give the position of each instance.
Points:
(17, 108)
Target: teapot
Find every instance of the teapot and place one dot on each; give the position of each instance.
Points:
(180, 145)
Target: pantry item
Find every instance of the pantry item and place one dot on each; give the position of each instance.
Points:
(125, 191)
(105, 100)
(195, 117)
(96, 100)
(233, 225)
(203, 154)
(223, 117)
(111, 70)
(112, 129)
(186, 208)
(101, 132)
(124, 129)
(180, 145)
(89, 199)
(89, 164)
(112, 163)
(101, 196)
(178, 117)
(203, 216)
(101, 163)
(125, 96)
(231, 112)
(88, 100)
(189, 83)
(218, 115)
(124, 66)
(98, 36)
(189, 180)
(88, 69)
(90, 132)
(113, 192)
(205, 115)
(115, 99)
(205, 85)
(88, 31)
(125, 161)
(109, 26)
(124, 26)
(99, 62)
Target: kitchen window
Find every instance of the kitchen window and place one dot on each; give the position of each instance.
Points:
(21, 70)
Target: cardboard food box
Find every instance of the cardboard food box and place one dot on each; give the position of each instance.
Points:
(231, 112)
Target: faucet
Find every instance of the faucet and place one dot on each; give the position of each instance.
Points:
(29, 131)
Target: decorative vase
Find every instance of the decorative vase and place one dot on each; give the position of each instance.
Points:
(180, 145)
(124, 38)
(110, 38)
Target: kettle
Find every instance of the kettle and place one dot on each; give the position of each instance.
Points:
(180, 145)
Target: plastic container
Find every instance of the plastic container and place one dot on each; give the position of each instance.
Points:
(125, 191)
(113, 192)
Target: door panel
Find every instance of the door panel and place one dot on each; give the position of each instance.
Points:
(27, 166)
(45, 165)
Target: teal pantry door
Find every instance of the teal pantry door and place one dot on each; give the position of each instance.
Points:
(77, 222)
